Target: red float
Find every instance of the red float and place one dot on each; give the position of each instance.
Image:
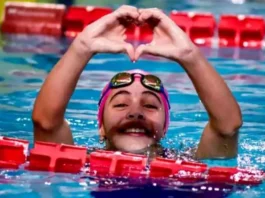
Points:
(48, 19)
(78, 17)
(12, 152)
(71, 159)
(57, 157)
(241, 31)
(182, 170)
(33, 18)
(200, 27)
(142, 33)
(234, 175)
(117, 164)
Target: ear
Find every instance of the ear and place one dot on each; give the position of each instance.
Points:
(102, 131)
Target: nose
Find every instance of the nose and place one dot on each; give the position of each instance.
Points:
(135, 114)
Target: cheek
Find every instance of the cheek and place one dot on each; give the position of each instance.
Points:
(111, 118)
(158, 118)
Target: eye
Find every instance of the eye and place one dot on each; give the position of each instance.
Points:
(150, 106)
(120, 105)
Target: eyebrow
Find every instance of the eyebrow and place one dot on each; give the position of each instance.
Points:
(128, 93)
(152, 93)
(119, 93)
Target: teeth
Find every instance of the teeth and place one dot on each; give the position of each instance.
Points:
(135, 130)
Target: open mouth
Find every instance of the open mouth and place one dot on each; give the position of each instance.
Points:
(136, 131)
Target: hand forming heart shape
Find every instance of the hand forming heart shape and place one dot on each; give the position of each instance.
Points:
(107, 35)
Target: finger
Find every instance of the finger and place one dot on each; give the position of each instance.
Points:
(145, 49)
(128, 7)
(112, 19)
(150, 9)
(122, 12)
(150, 12)
(130, 51)
(123, 47)
(105, 21)
(127, 11)
(157, 14)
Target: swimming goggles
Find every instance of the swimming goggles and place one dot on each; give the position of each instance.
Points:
(124, 79)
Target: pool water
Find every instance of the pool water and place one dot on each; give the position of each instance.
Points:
(26, 61)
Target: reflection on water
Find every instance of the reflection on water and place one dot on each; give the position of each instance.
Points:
(66, 185)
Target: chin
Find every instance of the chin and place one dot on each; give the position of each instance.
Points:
(131, 144)
(133, 149)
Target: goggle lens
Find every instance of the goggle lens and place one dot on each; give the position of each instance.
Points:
(153, 82)
(125, 79)
(121, 79)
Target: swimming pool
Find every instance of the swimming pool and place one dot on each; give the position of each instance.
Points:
(25, 62)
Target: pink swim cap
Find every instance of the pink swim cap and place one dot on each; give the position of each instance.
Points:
(104, 99)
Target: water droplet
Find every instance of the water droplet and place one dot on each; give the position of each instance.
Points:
(47, 183)
(194, 189)
(92, 182)
(210, 188)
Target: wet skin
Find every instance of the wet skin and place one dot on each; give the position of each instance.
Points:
(133, 119)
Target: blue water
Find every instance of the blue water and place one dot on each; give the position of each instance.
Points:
(26, 61)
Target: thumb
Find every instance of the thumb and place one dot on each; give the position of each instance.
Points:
(130, 50)
(123, 47)
(145, 49)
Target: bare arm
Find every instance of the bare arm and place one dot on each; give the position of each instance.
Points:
(219, 138)
(103, 36)
(51, 103)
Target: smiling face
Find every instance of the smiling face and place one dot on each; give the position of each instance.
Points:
(133, 118)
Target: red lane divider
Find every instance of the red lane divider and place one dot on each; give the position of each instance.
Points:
(234, 175)
(71, 159)
(142, 33)
(54, 19)
(146, 34)
(117, 164)
(183, 170)
(12, 152)
(77, 18)
(56, 157)
(200, 27)
(241, 31)
(33, 18)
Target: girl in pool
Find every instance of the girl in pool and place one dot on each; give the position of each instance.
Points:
(134, 107)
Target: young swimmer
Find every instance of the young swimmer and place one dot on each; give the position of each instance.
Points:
(134, 108)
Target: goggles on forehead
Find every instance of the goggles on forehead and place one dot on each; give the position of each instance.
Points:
(124, 79)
